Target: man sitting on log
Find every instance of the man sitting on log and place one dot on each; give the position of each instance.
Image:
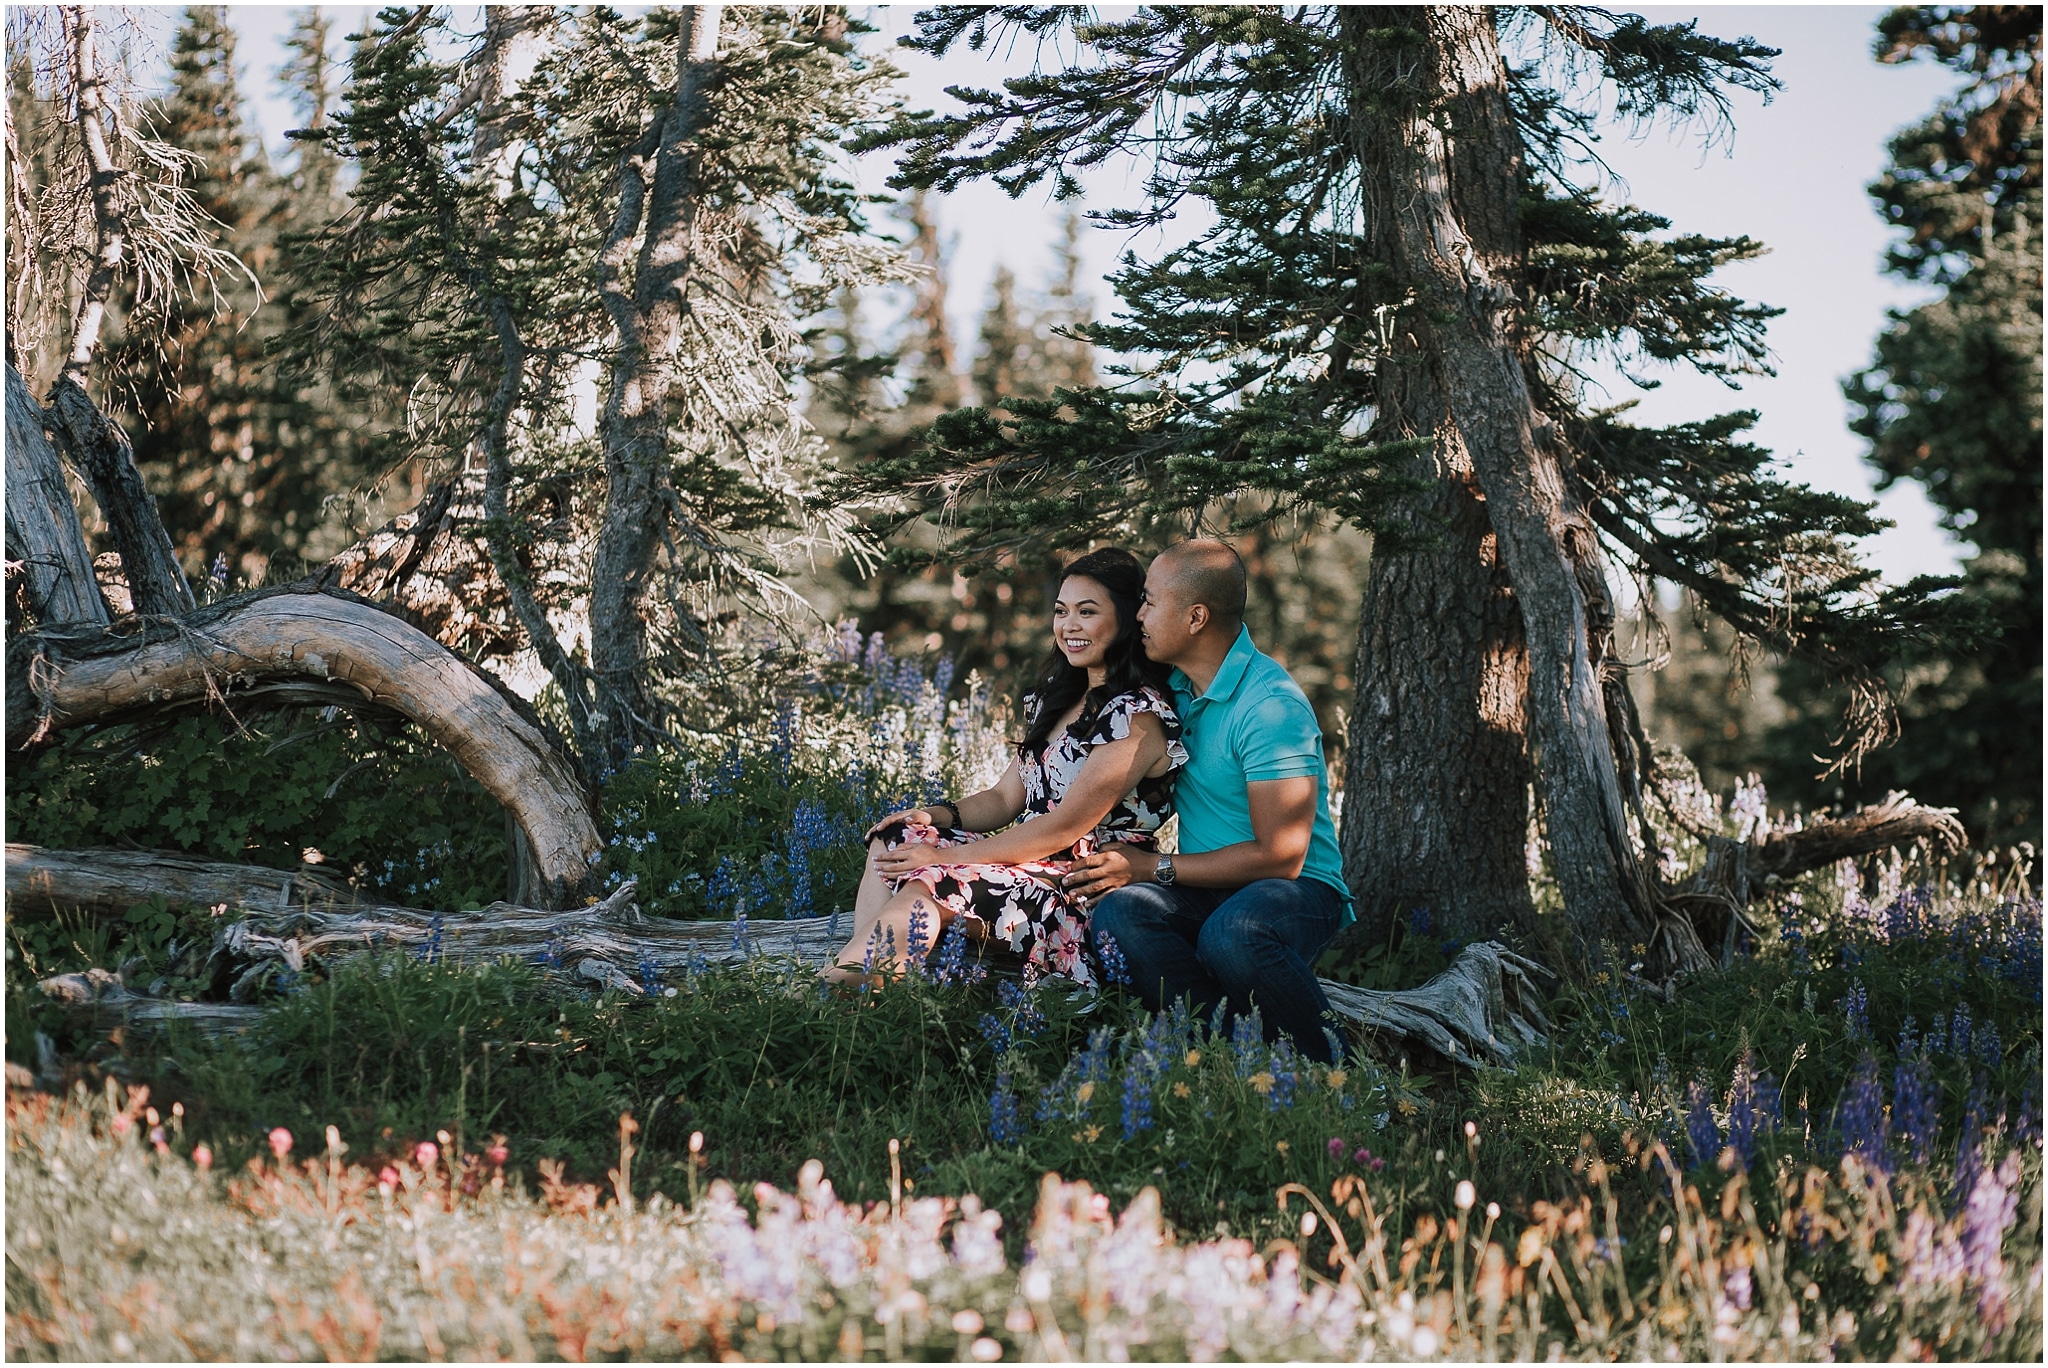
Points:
(1241, 914)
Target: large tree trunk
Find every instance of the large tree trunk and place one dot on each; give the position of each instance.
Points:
(43, 533)
(102, 453)
(658, 193)
(1436, 809)
(321, 648)
(1446, 179)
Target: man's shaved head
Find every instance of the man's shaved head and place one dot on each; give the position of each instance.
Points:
(1208, 572)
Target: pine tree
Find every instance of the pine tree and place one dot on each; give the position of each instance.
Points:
(653, 210)
(1952, 400)
(1006, 350)
(1386, 321)
(243, 467)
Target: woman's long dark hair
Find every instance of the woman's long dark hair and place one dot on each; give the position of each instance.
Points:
(1127, 668)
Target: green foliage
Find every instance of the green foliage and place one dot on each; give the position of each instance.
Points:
(1952, 401)
(394, 812)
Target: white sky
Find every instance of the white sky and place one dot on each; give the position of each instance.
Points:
(1792, 176)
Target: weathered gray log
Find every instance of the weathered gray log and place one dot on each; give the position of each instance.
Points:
(1481, 1010)
(63, 677)
(102, 453)
(43, 533)
(41, 882)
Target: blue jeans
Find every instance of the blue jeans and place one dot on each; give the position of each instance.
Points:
(1254, 946)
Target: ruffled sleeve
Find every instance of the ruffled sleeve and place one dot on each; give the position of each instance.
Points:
(1113, 723)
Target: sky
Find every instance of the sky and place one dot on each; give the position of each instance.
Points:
(1791, 174)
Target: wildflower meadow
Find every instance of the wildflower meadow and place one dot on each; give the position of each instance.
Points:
(1832, 1147)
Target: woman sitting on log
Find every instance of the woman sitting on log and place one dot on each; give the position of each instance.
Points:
(1097, 764)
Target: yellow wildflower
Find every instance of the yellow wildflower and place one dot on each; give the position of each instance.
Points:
(1405, 1107)
(1087, 1135)
(1194, 1058)
(1338, 1078)
(1181, 1090)
(1262, 1083)
(1280, 1145)
(1085, 1091)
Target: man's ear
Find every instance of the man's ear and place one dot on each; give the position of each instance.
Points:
(1198, 618)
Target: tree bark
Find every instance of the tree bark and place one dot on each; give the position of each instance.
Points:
(58, 678)
(102, 453)
(658, 194)
(43, 533)
(1436, 809)
(1446, 180)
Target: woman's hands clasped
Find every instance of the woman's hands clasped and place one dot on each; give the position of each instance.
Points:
(907, 858)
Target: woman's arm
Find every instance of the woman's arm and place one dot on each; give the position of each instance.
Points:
(987, 810)
(1111, 770)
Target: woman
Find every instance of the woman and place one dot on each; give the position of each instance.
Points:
(1097, 763)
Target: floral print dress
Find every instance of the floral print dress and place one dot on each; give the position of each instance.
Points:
(1023, 905)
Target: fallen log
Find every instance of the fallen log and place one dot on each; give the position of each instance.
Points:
(104, 883)
(346, 649)
(1481, 1010)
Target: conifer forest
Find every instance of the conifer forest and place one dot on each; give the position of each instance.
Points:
(505, 503)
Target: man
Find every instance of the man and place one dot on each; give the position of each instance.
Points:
(1244, 910)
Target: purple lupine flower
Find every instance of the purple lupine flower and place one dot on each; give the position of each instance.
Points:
(1990, 1050)
(1029, 1019)
(1005, 1125)
(1137, 1112)
(1916, 1107)
(1418, 921)
(1988, 1212)
(1856, 1011)
(650, 975)
(2026, 1126)
(1752, 1108)
(915, 943)
(1094, 1061)
(1959, 1039)
(1970, 1151)
(1284, 1075)
(996, 1032)
(1864, 1126)
(1247, 1042)
(1114, 967)
(952, 960)
(1701, 1131)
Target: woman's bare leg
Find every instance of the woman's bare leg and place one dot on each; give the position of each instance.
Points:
(873, 890)
(889, 936)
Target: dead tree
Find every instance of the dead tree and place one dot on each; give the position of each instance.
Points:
(44, 538)
(309, 648)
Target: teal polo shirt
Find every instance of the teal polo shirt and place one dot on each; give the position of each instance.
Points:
(1254, 723)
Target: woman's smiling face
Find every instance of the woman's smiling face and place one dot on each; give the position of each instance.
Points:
(1083, 622)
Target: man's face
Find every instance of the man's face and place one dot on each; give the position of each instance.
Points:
(1163, 617)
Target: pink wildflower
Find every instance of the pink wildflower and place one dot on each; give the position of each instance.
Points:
(280, 1143)
(497, 1154)
(426, 1154)
(1336, 1147)
(387, 1179)
(202, 1157)
(122, 1122)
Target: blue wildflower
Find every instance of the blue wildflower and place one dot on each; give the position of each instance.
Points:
(1856, 1011)
(1114, 968)
(1005, 1125)
(1284, 1076)
(1137, 1114)
(996, 1032)
(1418, 921)
(1990, 1050)
(1865, 1129)
(952, 960)
(1702, 1132)
(1916, 1107)
(1970, 1151)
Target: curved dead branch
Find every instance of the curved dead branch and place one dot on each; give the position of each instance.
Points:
(65, 677)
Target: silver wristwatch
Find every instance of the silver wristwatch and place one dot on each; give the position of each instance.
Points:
(1163, 871)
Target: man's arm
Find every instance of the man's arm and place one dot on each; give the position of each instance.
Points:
(1283, 813)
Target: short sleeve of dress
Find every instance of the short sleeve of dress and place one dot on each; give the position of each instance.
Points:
(1113, 723)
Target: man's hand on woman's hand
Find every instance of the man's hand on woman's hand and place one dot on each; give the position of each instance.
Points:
(1108, 869)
